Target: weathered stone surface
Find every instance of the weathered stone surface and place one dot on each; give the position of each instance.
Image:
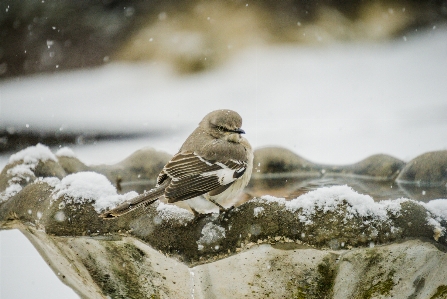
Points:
(412, 269)
(24, 173)
(72, 164)
(30, 205)
(124, 267)
(429, 169)
(114, 267)
(277, 161)
(380, 167)
(49, 168)
(198, 240)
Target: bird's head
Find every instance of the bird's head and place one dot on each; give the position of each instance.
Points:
(223, 124)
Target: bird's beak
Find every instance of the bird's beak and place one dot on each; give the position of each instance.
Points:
(240, 131)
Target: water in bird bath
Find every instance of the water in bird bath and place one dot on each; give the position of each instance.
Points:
(292, 186)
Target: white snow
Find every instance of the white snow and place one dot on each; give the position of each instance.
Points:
(169, 212)
(438, 210)
(9, 192)
(20, 170)
(211, 233)
(83, 187)
(51, 181)
(258, 211)
(65, 152)
(29, 158)
(23, 272)
(438, 207)
(32, 155)
(270, 198)
(330, 198)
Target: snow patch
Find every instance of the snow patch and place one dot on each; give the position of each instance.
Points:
(169, 212)
(21, 171)
(32, 155)
(211, 233)
(83, 187)
(9, 192)
(51, 181)
(24, 171)
(258, 211)
(59, 216)
(328, 199)
(65, 152)
(268, 199)
(438, 208)
(437, 213)
(331, 199)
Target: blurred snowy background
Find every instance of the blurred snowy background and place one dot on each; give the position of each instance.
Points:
(334, 81)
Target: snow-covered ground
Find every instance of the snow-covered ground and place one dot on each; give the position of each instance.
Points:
(334, 104)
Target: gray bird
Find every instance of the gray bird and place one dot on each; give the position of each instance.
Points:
(215, 161)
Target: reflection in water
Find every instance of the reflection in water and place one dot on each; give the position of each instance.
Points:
(292, 186)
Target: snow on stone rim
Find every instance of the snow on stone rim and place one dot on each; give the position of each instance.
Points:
(169, 212)
(328, 199)
(84, 187)
(32, 155)
(9, 192)
(90, 186)
(65, 152)
(438, 207)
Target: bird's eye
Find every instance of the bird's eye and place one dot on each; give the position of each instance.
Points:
(220, 128)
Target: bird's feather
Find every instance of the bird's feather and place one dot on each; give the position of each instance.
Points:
(191, 175)
(140, 201)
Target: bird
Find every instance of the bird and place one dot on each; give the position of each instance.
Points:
(215, 161)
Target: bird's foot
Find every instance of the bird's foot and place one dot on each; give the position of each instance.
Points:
(198, 215)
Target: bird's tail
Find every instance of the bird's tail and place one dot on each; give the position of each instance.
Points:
(141, 201)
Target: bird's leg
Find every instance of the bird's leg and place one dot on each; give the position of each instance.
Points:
(221, 208)
(223, 212)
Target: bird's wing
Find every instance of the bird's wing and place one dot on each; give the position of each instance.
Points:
(191, 175)
(141, 201)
